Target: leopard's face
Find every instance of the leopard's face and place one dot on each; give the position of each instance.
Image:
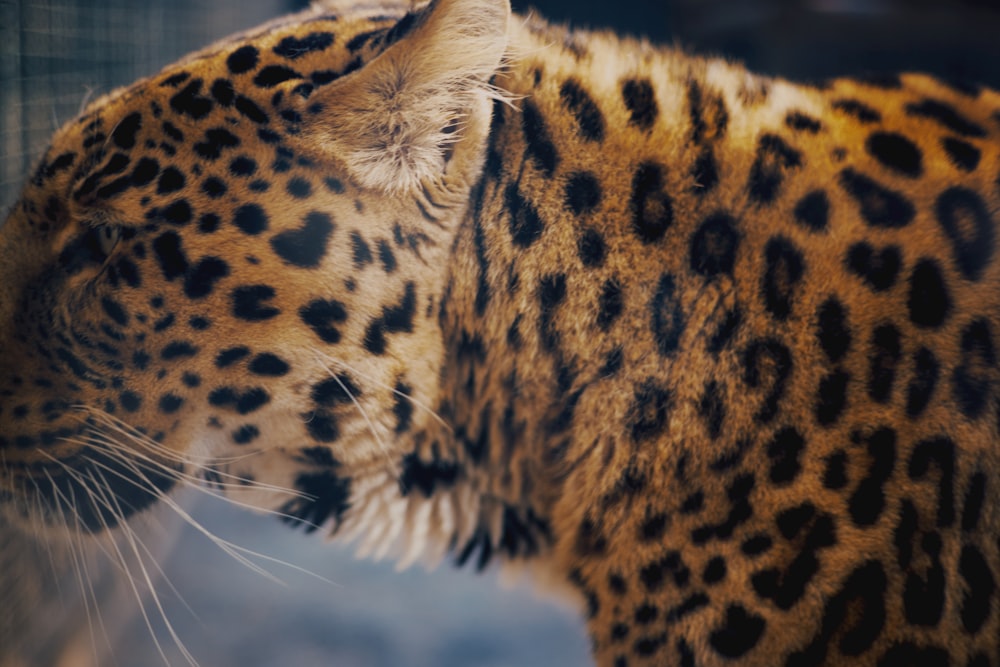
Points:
(194, 281)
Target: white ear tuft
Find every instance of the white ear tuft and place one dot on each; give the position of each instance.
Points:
(354, 8)
(409, 114)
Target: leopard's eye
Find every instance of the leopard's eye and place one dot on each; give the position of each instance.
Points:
(107, 238)
(91, 248)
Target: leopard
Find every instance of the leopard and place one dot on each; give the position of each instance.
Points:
(711, 352)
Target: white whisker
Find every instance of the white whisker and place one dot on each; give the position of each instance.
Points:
(139, 438)
(93, 594)
(364, 414)
(78, 561)
(129, 577)
(233, 550)
(108, 445)
(36, 519)
(326, 358)
(119, 556)
(132, 540)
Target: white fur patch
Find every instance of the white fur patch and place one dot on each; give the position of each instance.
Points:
(396, 120)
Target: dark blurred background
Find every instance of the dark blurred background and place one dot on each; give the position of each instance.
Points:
(56, 55)
(814, 39)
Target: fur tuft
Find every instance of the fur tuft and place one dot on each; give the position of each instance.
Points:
(414, 105)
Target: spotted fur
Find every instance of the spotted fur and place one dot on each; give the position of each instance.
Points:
(715, 350)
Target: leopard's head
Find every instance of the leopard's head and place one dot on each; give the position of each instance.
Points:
(232, 270)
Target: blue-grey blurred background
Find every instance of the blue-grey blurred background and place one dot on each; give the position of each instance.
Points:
(57, 54)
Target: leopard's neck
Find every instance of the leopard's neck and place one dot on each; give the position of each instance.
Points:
(514, 376)
(536, 305)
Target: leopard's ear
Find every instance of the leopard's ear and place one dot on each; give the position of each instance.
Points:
(420, 110)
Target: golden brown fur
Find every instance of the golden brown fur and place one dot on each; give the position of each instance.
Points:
(717, 350)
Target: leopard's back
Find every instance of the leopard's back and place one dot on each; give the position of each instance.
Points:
(761, 320)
